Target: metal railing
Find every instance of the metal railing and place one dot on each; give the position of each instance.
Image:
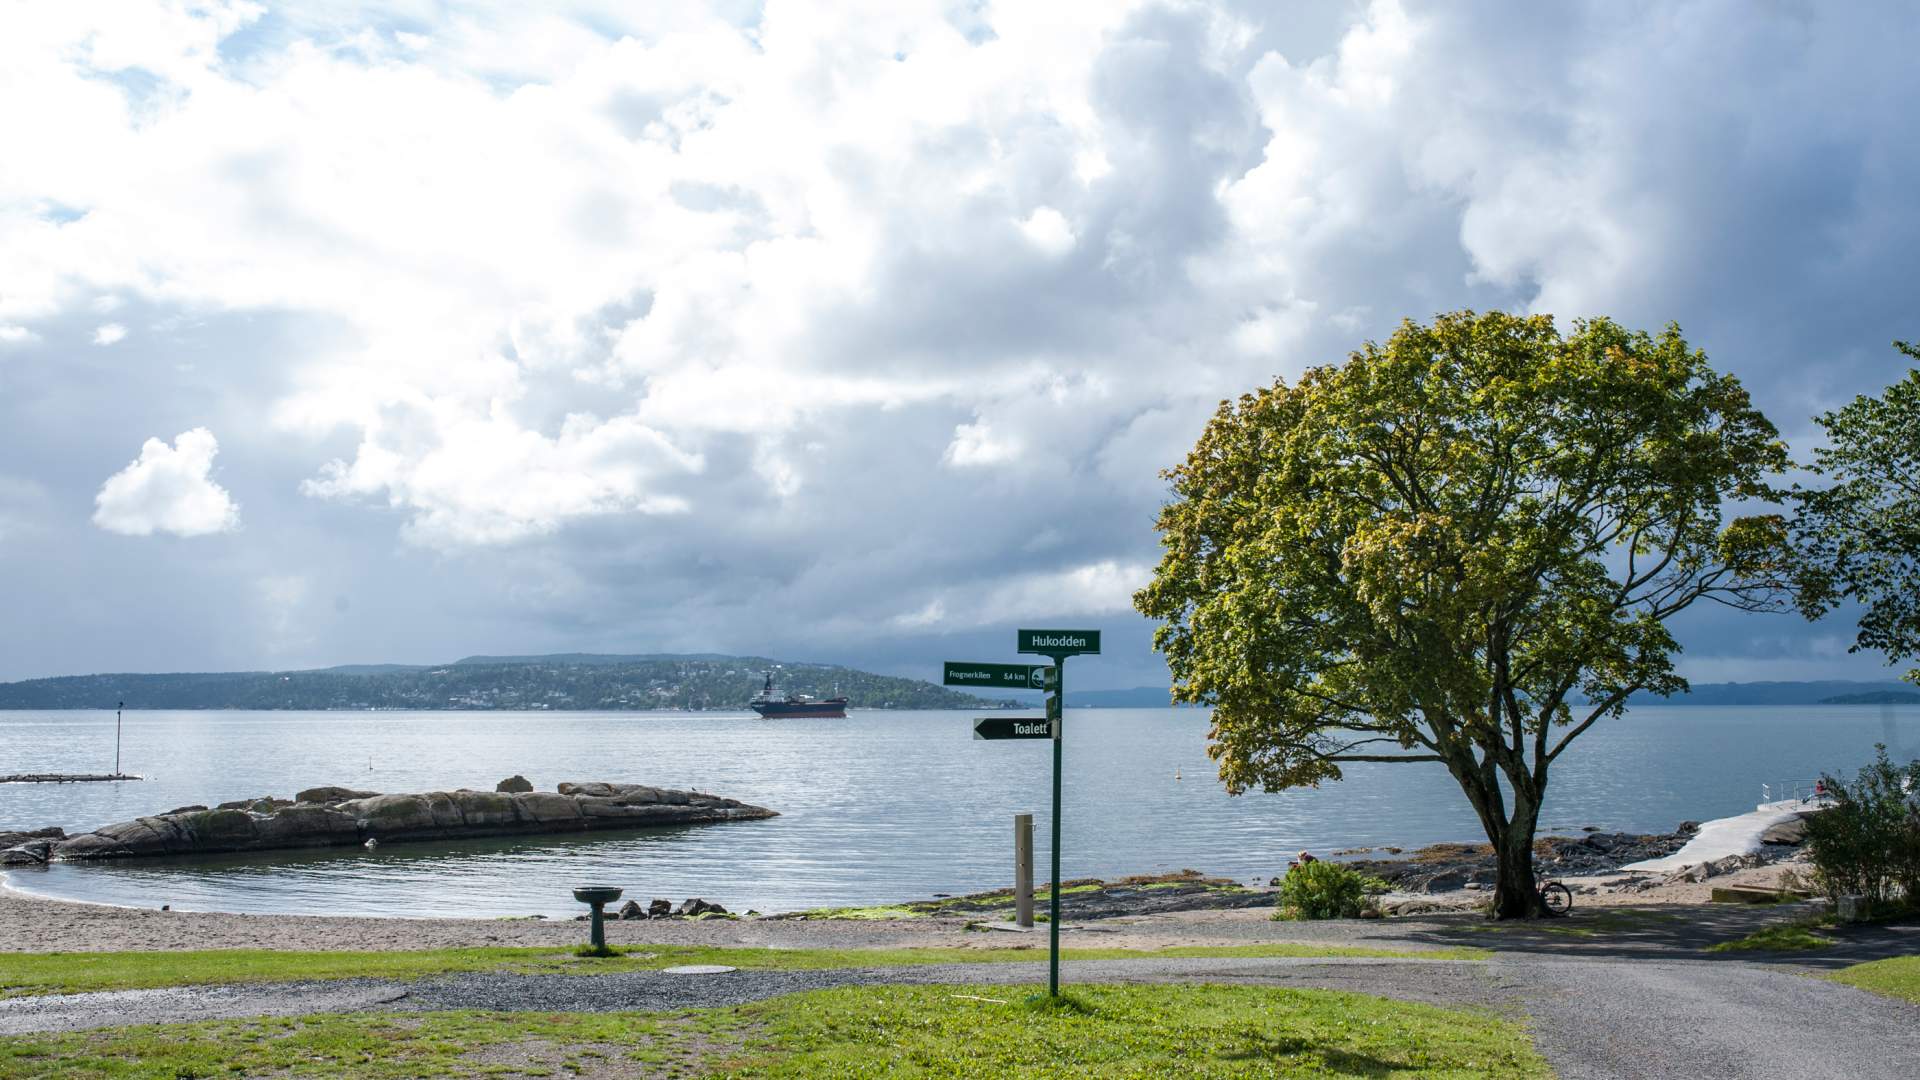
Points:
(1793, 791)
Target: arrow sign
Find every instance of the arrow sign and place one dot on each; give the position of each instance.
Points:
(1014, 676)
(1058, 643)
(1012, 727)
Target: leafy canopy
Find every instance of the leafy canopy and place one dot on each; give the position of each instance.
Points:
(1860, 538)
(1454, 542)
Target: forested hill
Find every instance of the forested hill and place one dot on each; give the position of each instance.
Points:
(570, 681)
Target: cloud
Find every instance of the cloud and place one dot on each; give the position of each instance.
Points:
(108, 334)
(168, 489)
(1101, 589)
(675, 315)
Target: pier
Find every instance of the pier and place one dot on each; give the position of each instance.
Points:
(63, 778)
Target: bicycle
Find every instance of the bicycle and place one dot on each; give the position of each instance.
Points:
(1555, 897)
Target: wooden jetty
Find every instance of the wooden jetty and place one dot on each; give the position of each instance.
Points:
(63, 778)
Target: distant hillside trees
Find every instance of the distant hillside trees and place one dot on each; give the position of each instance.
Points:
(668, 683)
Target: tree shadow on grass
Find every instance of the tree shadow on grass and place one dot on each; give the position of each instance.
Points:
(1334, 1060)
(1673, 932)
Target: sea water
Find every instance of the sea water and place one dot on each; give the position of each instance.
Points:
(880, 806)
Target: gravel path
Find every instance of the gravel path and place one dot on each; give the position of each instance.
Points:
(80, 1012)
(1592, 1018)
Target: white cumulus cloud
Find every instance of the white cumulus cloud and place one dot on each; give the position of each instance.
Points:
(168, 489)
(109, 334)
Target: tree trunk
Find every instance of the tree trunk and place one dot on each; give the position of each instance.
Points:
(1514, 896)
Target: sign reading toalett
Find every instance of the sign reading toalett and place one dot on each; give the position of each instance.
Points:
(1058, 643)
(1012, 727)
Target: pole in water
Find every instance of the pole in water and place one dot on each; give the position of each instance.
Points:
(1053, 899)
(116, 737)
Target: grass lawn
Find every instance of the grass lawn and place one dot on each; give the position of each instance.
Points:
(65, 973)
(1898, 977)
(1800, 935)
(948, 1031)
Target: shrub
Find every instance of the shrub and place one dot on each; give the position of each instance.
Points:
(1868, 843)
(1324, 890)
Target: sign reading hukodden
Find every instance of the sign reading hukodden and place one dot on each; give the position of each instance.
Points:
(1058, 643)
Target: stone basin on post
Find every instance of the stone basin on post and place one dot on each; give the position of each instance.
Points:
(597, 897)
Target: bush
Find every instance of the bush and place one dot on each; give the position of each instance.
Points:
(1868, 843)
(1324, 890)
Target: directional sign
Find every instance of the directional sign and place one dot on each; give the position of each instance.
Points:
(1012, 727)
(1057, 643)
(1015, 676)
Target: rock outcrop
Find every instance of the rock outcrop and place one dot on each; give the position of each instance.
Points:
(325, 820)
(51, 832)
(330, 795)
(515, 783)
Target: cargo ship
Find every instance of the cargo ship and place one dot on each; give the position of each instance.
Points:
(771, 704)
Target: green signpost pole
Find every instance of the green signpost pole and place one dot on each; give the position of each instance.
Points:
(1056, 645)
(1059, 712)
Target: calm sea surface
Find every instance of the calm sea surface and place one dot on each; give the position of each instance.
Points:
(880, 806)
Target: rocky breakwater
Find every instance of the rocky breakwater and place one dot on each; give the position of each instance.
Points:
(340, 817)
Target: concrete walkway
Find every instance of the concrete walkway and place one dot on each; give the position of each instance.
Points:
(1591, 1017)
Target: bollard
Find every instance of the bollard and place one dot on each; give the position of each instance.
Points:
(1023, 870)
(597, 897)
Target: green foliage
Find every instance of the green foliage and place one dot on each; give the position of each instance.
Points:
(1868, 843)
(1325, 890)
(930, 1032)
(1435, 550)
(1859, 539)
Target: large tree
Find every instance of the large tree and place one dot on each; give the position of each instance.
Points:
(1859, 538)
(1462, 547)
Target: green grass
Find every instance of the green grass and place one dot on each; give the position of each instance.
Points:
(1898, 977)
(65, 973)
(1796, 936)
(927, 1032)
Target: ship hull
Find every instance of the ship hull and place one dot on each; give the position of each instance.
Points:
(782, 710)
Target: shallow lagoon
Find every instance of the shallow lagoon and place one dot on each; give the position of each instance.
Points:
(880, 806)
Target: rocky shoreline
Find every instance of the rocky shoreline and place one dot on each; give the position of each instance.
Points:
(1450, 867)
(342, 817)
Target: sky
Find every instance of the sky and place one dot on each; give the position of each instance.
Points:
(348, 332)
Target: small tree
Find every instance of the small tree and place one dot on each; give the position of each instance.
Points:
(1868, 842)
(1460, 547)
(1860, 538)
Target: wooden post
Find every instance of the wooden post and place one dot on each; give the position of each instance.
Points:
(1023, 870)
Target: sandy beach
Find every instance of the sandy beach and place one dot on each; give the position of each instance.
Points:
(33, 924)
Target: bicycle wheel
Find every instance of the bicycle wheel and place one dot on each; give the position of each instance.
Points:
(1557, 897)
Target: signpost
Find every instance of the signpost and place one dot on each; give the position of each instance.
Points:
(1058, 645)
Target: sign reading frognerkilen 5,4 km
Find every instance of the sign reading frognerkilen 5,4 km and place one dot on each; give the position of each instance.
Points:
(1011, 676)
(1058, 644)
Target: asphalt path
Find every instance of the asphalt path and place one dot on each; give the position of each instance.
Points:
(1591, 1018)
